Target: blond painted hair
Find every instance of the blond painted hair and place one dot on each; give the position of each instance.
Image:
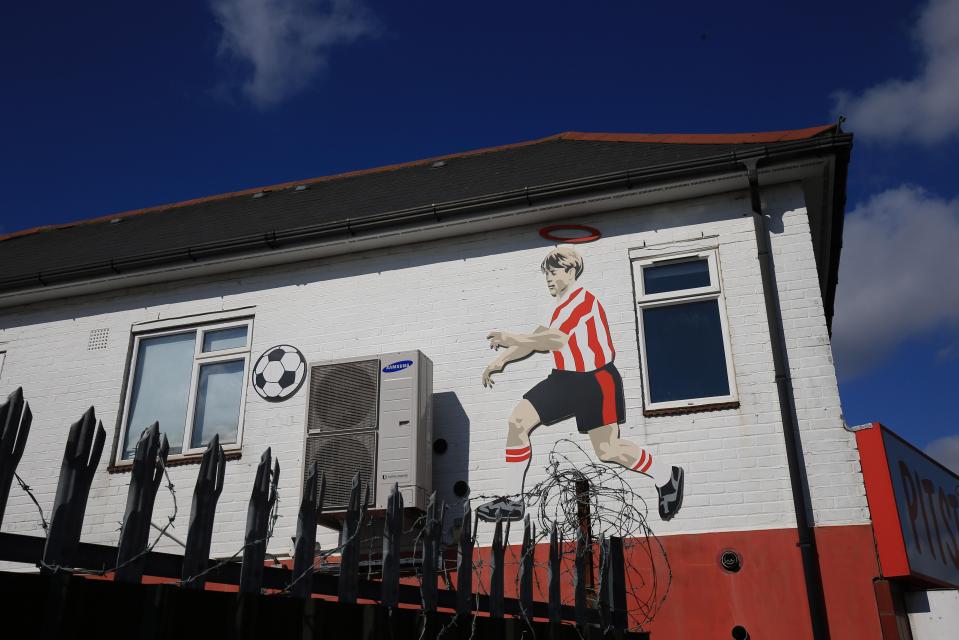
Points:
(563, 258)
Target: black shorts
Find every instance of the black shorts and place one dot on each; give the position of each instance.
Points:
(594, 397)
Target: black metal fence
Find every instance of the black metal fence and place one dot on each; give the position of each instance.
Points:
(276, 599)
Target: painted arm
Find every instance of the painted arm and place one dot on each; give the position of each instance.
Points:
(519, 346)
(542, 339)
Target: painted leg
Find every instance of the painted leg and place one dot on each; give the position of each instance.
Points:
(668, 480)
(518, 454)
(518, 448)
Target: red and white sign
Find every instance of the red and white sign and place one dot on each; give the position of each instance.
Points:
(914, 503)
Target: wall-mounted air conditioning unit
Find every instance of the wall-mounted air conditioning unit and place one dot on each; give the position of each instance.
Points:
(372, 415)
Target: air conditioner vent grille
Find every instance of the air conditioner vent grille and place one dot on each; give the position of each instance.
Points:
(340, 457)
(343, 396)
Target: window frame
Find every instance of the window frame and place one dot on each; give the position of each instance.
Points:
(682, 296)
(199, 328)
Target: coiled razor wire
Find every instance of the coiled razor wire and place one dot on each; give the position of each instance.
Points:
(615, 509)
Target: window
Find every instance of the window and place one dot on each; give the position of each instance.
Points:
(190, 379)
(3, 356)
(683, 335)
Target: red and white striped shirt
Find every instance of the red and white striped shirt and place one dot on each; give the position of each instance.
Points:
(590, 345)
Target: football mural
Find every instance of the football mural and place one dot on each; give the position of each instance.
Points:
(584, 384)
(279, 373)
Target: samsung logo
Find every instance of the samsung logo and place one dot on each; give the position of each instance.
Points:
(397, 366)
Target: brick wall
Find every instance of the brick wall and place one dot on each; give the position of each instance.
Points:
(443, 297)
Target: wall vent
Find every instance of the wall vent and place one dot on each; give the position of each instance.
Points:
(99, 338)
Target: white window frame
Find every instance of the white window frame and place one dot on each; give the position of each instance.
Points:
(200, 329)
(669, 298)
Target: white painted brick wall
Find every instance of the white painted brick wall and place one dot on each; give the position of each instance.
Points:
(443, 297)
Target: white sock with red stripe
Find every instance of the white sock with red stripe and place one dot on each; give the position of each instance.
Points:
(517, 461)
(654, 467)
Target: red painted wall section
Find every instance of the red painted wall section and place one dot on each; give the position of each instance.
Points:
(767, 596)
(848, 563)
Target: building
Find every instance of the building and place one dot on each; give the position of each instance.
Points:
(167, 310)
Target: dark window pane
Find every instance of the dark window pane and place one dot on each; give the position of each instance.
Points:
(685, 352)
(676, 276)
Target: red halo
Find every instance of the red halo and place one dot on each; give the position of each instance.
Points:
(591, 233)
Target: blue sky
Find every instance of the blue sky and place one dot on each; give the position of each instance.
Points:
(111, 106)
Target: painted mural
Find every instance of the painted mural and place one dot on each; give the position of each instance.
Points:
(584, 384)
(279, 373)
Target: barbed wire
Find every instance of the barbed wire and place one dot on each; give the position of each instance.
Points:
(615, 509)
(26, 488)
(265, 540)
(56, 568)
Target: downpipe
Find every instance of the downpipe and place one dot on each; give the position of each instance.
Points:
(787, 407)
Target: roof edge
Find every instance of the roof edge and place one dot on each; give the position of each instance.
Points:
(704, 138)
(681, 138)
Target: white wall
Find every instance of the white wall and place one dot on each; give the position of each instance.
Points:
(443, 297)
(933, 615)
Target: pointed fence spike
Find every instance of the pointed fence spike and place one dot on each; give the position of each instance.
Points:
(257, 526)
(73, 490)
(349, 558)
(148, 463)
(392, 534)
(15, 421)
(428, 590)
(496, 579)
(209, 483)
(580, 578)
(555, 559)
(304, 549)
(464, 565)
(526, 570)
(275, 481)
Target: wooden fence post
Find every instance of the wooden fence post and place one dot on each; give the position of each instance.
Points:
(15, 421)
(555, 598)
(464, 565)
(349, 559)
(604, 595)
(496, 572)
(209, 485)
(148, 465)
(580, 578)
(262, 499)
(80, 459)
(392, 534)
(617, 561)
(584, 520)
(304, 550)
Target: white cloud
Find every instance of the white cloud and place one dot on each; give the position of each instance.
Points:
(898, 275)
(945, 451)
(286, 43)
(925, 106)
